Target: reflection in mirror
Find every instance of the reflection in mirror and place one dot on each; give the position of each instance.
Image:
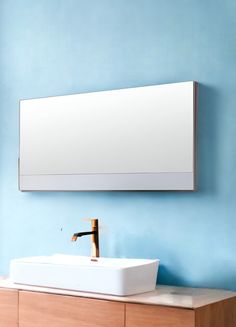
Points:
(130, 139)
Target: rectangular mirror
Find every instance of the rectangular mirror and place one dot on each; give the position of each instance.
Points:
(139, 138)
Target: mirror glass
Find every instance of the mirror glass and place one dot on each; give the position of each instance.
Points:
(124, 139)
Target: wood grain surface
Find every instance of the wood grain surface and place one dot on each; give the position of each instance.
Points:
(220, 314)
(47, 310)
(8, 308)
(138, 315)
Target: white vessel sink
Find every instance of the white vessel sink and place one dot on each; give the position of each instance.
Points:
(105, 275)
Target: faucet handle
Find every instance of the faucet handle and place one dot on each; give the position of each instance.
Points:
(93, 221)
(89, 219)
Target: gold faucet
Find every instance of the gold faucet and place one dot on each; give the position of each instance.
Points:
(94, 237)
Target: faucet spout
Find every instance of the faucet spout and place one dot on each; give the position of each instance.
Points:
(94, 238)
(76, 235)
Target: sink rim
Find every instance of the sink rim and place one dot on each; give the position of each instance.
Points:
(85, 261)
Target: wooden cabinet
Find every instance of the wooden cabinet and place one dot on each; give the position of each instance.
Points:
(139, 315)
(8, 308)
(41, 310)
(30, 308)
(219, 314)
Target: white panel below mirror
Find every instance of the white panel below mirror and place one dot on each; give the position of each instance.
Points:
(139, 138)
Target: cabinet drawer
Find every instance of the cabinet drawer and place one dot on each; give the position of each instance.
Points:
(47, 310)
(138, 315)
(8, 308)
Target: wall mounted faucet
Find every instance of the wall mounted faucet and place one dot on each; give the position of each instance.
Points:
(94, 237)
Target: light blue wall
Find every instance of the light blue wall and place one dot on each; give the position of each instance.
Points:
(56, 47)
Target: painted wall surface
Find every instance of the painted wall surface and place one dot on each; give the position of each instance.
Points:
(61, 47)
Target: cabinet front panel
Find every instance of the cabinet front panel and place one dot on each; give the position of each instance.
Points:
(138, 315)
(8, 308)
(220, 314)
(42, 310)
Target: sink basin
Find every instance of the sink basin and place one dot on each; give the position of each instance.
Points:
(105, 275)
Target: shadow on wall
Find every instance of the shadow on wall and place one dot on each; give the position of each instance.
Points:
(167, 277)
(207, 139)
(209, 279)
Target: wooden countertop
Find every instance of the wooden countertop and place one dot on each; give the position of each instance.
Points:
(181, 297)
